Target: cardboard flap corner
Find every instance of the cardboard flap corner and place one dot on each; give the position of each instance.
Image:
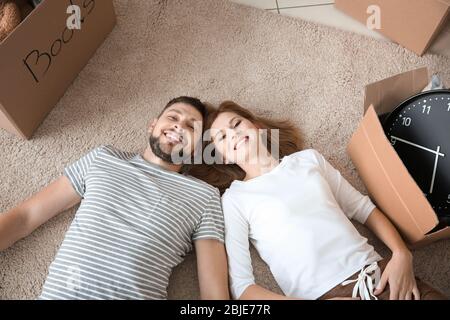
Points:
(413, 24)
(447, 2)
(388, 181)
(386, 94)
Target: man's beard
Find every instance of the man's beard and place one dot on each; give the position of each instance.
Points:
(155, 145)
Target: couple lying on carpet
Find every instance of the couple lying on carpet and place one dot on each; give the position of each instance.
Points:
(140, 214)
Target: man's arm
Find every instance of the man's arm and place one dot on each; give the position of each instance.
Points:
(212, 269)
(23, 219)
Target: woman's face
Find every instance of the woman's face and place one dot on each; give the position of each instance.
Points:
(234, 137)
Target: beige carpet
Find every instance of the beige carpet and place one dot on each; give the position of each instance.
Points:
(215, 50)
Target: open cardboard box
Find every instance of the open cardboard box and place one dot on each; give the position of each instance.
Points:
(413, 24)
(442, 43)
(387, 180)
(41, 58)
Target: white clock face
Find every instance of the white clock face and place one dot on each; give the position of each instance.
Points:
(419, 131)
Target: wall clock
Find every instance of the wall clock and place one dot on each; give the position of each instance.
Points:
(419, 131)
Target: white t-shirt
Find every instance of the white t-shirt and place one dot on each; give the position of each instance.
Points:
(297, 217)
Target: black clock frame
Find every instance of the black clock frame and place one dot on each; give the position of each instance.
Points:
(387, 120)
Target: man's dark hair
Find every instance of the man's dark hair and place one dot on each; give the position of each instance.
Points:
(193, 102)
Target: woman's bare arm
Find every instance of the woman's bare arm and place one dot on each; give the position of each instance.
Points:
(399, 271)
(380, 225)
(256, 292)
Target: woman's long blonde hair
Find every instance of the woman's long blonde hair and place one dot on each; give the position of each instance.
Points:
(222, 175)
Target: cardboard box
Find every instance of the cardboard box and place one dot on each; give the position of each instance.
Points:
(442, 43)
(413, 24)
(41, 58)
(387, 180)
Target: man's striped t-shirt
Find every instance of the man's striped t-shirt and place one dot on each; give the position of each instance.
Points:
(135, 223)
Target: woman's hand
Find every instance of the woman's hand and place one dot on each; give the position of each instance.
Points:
(400, 276)
(399, 271)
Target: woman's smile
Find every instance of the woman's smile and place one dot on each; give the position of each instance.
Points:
(240, 142)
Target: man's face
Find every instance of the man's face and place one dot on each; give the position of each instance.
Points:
(176, 133)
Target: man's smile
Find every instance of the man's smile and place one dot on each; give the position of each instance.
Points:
(173, 137)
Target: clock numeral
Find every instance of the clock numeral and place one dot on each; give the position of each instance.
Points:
(407, 122)
(393, 141)
(426, 109)
(448, 201)
(448, 107)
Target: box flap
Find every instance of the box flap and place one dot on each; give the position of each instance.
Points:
(413, 24)
(442, 43)
(388, 181)
(387, 94)
(433, 237)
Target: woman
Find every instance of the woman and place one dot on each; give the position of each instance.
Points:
(297, 214)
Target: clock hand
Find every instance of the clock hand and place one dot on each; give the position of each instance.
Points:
(418, 146)
(434, 170)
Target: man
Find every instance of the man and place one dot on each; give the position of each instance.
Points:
(137, 219)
